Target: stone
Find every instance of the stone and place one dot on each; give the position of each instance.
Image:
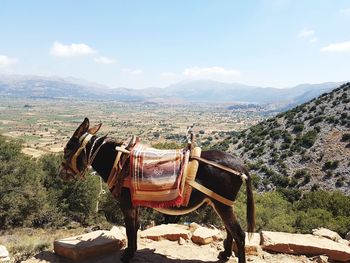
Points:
(320, 259)
(181, 241)
(304, 244)
(4, 254)
(90, 245)
(203, 235)
(170, 232)
(193, 226)
(324, 232)
(118, 231)
(252, 245)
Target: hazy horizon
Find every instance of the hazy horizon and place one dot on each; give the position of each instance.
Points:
(95, 83)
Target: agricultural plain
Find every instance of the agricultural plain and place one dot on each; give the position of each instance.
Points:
(44, 125)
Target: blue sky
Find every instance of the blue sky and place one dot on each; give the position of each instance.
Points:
(139, 44)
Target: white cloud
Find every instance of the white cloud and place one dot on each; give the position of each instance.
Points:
(62, 50)
(345, 11)
(211, 72)
(104, 60)
(337, 47)
(313, 40)
(6, 61)
(132, 71)
(306, 33)
(168, 74)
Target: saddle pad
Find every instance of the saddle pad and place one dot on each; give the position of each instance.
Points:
(156, 176)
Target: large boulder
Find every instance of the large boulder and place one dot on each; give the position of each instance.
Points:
(91, 244)
(300, 244)
(4, 254)
(171, 232)
(204, 235)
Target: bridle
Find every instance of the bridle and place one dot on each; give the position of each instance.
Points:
(84, 140)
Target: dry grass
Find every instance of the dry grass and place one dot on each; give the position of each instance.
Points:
(26, 242)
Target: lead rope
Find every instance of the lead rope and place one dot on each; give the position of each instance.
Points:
(91, 158)
(102, 192)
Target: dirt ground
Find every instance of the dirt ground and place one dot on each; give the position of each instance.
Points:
(165, 251)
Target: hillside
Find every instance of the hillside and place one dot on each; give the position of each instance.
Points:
(185, 91)
(307, 147)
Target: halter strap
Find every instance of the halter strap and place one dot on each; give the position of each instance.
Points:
(84, 139)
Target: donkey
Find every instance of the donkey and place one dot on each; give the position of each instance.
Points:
(100, 153)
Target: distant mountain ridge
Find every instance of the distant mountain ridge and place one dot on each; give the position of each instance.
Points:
(186, 91)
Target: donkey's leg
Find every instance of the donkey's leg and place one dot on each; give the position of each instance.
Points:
(131, 224)
(224, 255)
(137, 226)
(233, 230)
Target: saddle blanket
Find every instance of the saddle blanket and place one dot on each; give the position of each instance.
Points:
(156, 176)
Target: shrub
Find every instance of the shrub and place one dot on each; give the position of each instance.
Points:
(330, 165)
(316, 120)
(300, 173)
(275, 134)
(291, 195)
(287, 138)
(280, 180)
(345, 137)
(308, 139)
(298, 128)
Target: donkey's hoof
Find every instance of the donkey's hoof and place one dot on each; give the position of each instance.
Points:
(127, 255)
(223, 256)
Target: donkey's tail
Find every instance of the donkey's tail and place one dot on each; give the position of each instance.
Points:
(250, 205)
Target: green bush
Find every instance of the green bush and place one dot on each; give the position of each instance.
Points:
(330, 165)
(300, 173)
(345, 137)
(308, 139)
(316, 120)
(298, 127)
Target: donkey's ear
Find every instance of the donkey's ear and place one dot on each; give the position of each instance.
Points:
(94, 130)
(84, 126)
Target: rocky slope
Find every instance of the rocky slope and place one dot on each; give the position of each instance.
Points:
(307, 147)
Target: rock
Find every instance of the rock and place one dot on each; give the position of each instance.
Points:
(252, 245)
(4, 254)
(320, 259)
(73, 225)
(118, 231)
(181, 241)
(203, 235)
(193, 226)
(91, 244)
(324, 232)
(300, 244)
(171, 232)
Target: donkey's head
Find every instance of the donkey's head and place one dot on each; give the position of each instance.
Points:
(75, 159)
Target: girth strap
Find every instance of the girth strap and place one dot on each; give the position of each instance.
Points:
(221, 167)
(210, 193)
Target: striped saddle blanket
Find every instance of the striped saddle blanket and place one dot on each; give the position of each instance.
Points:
(157, 176)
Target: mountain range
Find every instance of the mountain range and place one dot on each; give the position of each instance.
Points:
(207, 91)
